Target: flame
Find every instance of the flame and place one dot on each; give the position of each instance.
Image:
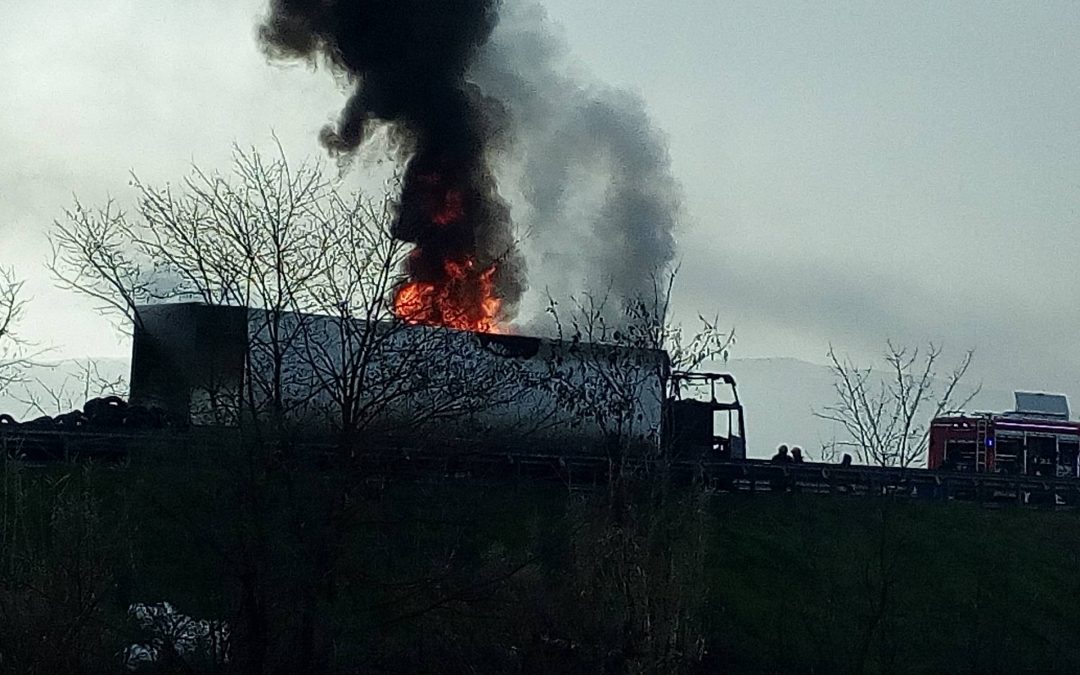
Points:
(448, 283)
(464, 299)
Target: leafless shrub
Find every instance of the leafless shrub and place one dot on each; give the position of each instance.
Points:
(886, 417)
(628, 349)
(14, 357)
(57, 565)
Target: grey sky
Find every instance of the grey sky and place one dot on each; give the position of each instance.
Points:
(850, 173)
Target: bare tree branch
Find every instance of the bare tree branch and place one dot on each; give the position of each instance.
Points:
(14, 350)
(621, 343)
(85, 382)
(885, 420)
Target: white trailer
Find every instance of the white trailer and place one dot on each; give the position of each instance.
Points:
(219, 365)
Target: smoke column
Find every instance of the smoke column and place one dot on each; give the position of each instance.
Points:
(461, 86)
(408, 59)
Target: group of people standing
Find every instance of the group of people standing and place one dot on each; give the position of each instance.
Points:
(787, 483)
(783, 456)
(794, 456)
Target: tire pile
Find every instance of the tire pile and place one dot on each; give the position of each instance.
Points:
(109, 413)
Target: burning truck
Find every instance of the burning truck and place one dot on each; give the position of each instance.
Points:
(446, 370)
(428, 386)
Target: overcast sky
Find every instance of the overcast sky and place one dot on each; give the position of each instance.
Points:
(850, 173)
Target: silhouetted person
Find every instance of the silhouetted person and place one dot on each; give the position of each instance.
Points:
(779, 481)
(845, 463)
(796, 455)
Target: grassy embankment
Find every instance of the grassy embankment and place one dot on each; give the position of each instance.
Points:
(338, 574)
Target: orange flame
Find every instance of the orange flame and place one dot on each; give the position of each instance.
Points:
(448, 286)
(464, 299)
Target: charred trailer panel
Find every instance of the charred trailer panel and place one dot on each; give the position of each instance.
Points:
(179, 350)
(213, 365)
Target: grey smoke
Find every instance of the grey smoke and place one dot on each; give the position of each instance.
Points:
(601, 205)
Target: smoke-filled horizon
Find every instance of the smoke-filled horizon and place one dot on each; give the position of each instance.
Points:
(477, 98)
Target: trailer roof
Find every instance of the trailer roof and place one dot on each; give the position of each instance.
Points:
(512, 341)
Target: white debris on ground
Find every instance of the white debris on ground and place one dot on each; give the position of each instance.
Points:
(172, 635)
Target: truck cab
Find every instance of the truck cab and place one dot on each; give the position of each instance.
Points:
(704, 417)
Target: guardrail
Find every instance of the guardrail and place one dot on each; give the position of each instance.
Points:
(405, 458)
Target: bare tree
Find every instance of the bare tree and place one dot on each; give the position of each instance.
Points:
(256, 238)
(316, 268)
(885, 416)
(628, 349)
(640, 555)
(13, 355)
(92, 254)
(270, 237)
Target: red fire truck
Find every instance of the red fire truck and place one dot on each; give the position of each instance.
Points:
(1037, 439)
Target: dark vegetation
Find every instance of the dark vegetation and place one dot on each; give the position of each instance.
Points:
(318, 571)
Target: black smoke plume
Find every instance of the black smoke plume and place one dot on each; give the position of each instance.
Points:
(408, 60)
(598, 200)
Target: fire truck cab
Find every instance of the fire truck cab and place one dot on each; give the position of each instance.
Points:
(1037, 439)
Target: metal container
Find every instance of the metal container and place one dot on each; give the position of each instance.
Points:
(223, 365)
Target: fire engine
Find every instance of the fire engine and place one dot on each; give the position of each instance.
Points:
(1035, 439)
